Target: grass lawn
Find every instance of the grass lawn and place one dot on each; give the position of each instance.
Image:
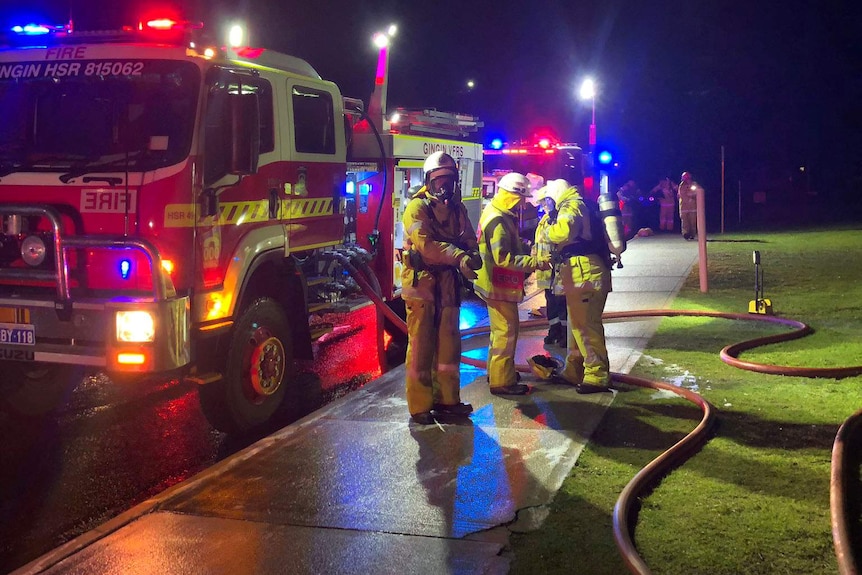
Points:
(755, 498)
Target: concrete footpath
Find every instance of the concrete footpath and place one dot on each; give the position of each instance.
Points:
(355, 488)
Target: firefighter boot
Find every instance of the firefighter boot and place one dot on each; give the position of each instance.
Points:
(555, 335)
(459, 409)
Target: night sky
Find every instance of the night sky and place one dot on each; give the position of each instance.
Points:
(778, 84)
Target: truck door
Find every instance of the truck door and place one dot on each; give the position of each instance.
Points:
(314, 176)
(231, 205)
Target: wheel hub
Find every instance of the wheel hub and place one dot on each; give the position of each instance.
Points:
(267, 363)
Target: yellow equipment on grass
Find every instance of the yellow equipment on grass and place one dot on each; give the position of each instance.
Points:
(759, 304)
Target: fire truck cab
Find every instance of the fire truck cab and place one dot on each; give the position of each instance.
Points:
(167, 206)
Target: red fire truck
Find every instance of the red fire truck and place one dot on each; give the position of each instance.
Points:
(541, 159)
(165, 205)
(171, 206)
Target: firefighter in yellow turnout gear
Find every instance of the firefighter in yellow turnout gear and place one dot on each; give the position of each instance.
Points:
(440, 246)
(501, 279)
(585, 278)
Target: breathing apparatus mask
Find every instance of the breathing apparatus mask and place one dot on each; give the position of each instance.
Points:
(441, 176)
(442, 187)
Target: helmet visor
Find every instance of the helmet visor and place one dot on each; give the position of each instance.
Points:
(443, 185)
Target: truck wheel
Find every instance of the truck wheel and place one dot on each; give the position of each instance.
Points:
(253, 386)
(36, 389)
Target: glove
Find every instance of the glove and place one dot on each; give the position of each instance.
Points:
(552, 217)
(474, 260)
(466, 270)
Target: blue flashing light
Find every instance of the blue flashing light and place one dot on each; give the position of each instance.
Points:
(32, 29)
(350, 188)
(496, 144)
(605, 157)
(364, 189)
(125, 269)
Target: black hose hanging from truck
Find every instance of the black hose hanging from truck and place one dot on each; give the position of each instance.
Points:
(374, 236)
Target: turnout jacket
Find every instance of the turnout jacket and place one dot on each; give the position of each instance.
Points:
(504, 263)
(688, 197)
(437, 237)
(543, 248)
(587, 271)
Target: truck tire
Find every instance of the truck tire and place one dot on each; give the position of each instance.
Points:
(37, 389)
(255, 376)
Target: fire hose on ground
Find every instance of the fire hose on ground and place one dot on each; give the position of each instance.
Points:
(624, 514)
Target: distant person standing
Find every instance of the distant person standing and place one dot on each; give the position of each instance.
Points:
(501, 279)
(688, 206)
(627, 196)
(665, 190)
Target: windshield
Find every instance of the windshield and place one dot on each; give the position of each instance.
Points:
(136, 114)
(565, 163)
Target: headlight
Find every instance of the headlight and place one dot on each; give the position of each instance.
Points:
(135, 326)
(33, 250)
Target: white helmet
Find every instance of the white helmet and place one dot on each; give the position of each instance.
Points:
(554, 189)
(515, 183)
(438, 164)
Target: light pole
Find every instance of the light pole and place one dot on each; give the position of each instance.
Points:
(588, 92)
(377, 105)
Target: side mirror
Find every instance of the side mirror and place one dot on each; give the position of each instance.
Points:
(209, 202)
(244, 112)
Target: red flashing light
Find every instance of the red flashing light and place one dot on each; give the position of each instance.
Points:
(160, 24)
(167, 24)
(544, 143)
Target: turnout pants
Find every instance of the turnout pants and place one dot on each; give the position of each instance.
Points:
(688, 221)
(503, 316)
(433, 355)
(587, 360)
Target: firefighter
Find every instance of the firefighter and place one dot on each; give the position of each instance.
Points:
(626, 195)
(501, 279)
(665, 190)
(583, 275)
(544, 248)
(688, 206)
(440, 247)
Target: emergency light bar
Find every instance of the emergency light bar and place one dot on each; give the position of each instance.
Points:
(163, 30)
(542, 145)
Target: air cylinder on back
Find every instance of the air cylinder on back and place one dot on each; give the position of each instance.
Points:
(612, 218)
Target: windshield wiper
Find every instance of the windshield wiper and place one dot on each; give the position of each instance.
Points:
(111, 165)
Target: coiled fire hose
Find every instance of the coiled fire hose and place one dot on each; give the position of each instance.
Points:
(624, 514)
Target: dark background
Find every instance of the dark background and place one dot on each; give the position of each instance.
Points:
(777, 84)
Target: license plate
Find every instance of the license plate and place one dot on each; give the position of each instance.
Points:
(17, 334)
(14, 315)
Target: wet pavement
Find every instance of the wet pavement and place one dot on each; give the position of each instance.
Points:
(354, 487)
